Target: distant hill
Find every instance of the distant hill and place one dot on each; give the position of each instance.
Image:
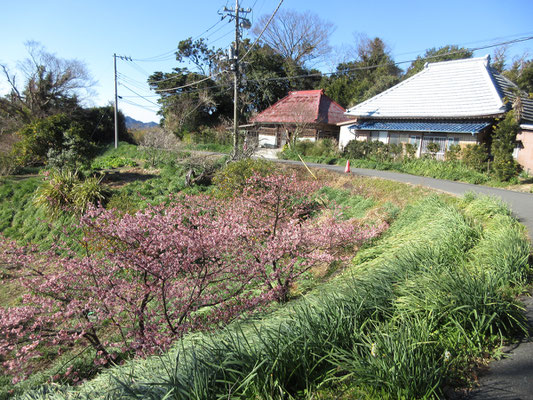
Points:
(139, 125)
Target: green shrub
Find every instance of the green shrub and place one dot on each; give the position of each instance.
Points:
(109, 162)
(451, 170)
(8, 164)
(356, 149)
(88, 191)
(395, 150)
(475, 157)
(57, 139)
(433, 148)
(231, 180)
(453, 153)
(321, 151)
(503, 142)
(410, 150)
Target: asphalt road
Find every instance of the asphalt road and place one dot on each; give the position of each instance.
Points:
(512, 377)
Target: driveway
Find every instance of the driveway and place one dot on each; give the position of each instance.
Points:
(512, 377)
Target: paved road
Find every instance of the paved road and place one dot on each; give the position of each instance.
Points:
(512, 377)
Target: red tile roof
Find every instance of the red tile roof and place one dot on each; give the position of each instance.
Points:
(303, 106)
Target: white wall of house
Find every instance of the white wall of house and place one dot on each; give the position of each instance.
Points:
(267, 140)
(345, 136)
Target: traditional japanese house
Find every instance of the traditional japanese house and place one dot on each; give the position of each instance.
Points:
(307, 114)
(450, 102)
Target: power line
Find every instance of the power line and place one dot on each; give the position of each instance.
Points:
(208, 29)
(133, 82)
(221, 37)
(165, 56)
(141, 96)
(264, 29)
(140, 105)
(499, 38)
(192, 83)
(319, 74)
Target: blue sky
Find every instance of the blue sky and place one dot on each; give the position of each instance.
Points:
(92, 31)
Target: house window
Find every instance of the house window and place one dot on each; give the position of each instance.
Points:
(442, 141)
(414, 140)
(382, 136)
(394, 138)
(451, 141)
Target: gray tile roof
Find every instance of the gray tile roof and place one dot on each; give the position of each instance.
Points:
(466, 88)
(508, 91)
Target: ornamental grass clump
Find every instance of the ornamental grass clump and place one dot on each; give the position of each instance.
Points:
(66, 190)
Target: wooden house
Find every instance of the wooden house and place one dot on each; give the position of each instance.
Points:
(307, 114)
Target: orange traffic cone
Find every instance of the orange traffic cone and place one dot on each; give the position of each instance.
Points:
(347, 169)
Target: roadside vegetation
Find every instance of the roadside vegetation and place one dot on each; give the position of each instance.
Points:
(470, 164)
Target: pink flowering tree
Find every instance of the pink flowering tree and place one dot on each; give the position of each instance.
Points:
(144, 280)
(284, 239)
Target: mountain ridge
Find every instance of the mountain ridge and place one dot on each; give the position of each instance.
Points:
(132, 123)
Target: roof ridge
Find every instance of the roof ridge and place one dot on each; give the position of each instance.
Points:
(485, 59)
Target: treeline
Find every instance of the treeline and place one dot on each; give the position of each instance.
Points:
(284, 59)
(43, 120)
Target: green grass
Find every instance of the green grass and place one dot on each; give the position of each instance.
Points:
(22, 220)
(410, 316)
(353, 206)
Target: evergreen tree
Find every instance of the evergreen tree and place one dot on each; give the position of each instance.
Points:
(503, 142)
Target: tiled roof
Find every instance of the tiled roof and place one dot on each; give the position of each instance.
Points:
(421, 126)
(508, 90)
(450, 89)
(304, 106)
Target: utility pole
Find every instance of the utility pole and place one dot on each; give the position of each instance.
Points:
(236, 84)
(116, 100)
(116, 94)
(234, 57)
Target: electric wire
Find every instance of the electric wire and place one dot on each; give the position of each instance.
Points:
(147, 108)
(141, 96)
(509, 42)
(208, 29)
(263, 31)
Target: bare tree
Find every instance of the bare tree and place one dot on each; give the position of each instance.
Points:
(181, 110)
(50, 85)
(156, 140)
(300, 37)
(499, 58)
(297, 124)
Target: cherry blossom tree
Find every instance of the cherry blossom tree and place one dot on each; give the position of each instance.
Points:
(146, 279)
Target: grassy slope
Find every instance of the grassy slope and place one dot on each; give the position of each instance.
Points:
(409, 317)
